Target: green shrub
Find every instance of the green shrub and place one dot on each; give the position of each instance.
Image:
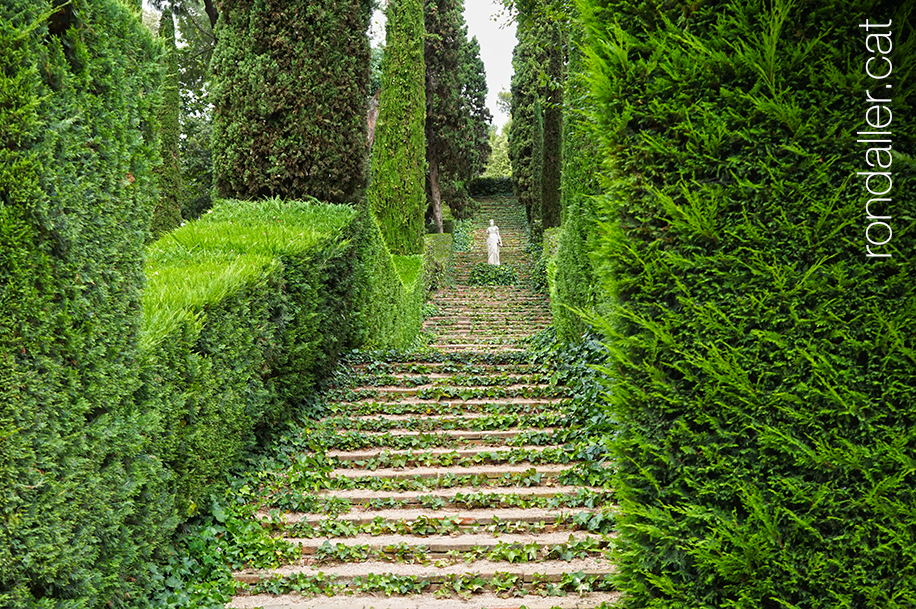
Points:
(463, 237)
(82, 508)
(289, 90)
(488, 187)
(397, 193)
(543, 266)
(491, 274)
(245, 314)
(764, 366)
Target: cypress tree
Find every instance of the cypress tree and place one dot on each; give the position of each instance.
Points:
(764, 360)
(475, 138)
(535, 142)
(289, 89)
(524, 131)
(551, 37)
(397, 193)
(167, 213)
(457, 117)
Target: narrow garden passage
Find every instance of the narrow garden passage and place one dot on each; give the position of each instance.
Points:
(452, 477)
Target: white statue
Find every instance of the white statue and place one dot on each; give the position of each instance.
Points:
(494, 242)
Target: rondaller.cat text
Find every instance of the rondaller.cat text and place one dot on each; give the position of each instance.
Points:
(879, 180)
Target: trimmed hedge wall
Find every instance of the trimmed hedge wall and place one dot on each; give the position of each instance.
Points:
(765, 367)
(115, 420)
(80, 509)
(246, 313)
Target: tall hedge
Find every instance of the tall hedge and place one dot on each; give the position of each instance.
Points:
(765, 373)
(81, 508)
(167, 213)
(575, 282)
(457, 118)
(289, 90)
(552, 38)
(524, 134)
(397, 193)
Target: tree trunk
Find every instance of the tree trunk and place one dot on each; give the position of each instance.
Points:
(435, 192)
(211, 12)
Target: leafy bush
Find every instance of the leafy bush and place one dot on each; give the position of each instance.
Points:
(488, 187)
(463, 237)
(763, 365)
(491, 274)
(167, 213)
(83, 506)
(389, 311)
(543, 265)
(461, 205)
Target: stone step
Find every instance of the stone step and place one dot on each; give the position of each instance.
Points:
(447, 348)
(466, 518)
(547, 471)
(428, 408)
(412, 391)
(363, 497)
(424, 601)
(549, 570)
(469, 417)
(444, 544)
(415, 456)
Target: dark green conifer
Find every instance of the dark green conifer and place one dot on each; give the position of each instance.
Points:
(289, 88)
(551, 90)
(84, 504)
(456, 123)
(397, 193)
(167, 213)
(576, 282)
(524, 132)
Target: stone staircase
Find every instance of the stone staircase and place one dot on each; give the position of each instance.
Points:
(451, 479)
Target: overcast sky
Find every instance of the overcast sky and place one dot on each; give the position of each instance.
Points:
(497, 39)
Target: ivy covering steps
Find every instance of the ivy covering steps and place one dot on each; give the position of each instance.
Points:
(448, 478)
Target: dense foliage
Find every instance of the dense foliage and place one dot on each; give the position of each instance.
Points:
(457, 118)
(575, 283)
(550, 36)
(764, 364)
(498, 164)
(289, 88)
(525, 135)
(167, 213)
(79, 508)
(397, 193)
(492, 274)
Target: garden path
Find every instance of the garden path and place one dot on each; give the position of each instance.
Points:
(453, 482)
